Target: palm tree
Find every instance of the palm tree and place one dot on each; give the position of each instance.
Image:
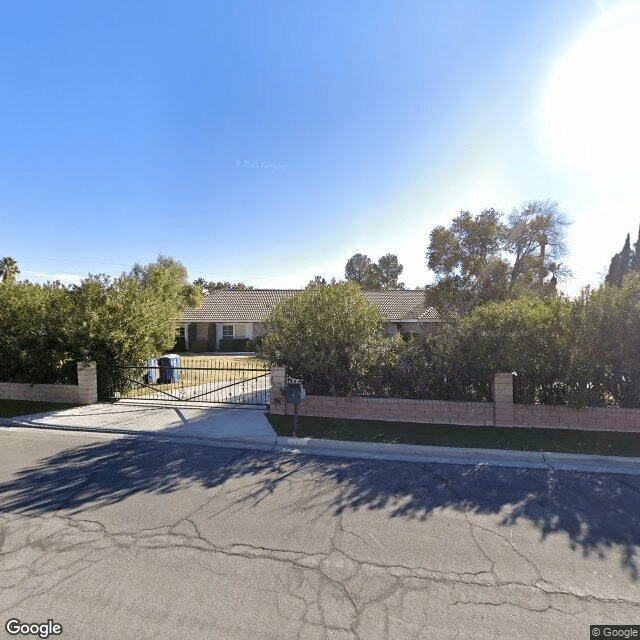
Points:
(9, 269)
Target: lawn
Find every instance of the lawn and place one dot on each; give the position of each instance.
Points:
(12, 408)
(442, 435)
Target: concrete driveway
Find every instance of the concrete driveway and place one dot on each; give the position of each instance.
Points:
(171, 419)
(126, 537)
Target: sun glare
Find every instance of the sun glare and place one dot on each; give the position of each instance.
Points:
(592, 107)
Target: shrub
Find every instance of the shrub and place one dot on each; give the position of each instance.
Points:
(605, 365)
(44, 329)
(529, 335)
(233, 345)
(36, 328)
(254, 346)
(330, 336)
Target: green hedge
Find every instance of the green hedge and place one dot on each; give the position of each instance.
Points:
(229, 345)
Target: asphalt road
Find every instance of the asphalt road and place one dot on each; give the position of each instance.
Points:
(132, 538)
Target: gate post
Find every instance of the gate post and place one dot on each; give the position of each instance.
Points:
(278, 384)
(503, 399)
(87, 383)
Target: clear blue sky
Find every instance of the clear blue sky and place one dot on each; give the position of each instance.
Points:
(268, 141)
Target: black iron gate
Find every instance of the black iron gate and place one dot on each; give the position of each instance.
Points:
(242, 381)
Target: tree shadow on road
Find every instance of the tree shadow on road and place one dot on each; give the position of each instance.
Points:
(596, 511)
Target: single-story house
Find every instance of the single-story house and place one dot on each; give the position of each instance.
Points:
(237, 314)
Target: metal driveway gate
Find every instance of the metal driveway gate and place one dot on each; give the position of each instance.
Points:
(194, 379)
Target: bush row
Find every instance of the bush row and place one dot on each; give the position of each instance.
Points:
(577, 352)
(46, 329)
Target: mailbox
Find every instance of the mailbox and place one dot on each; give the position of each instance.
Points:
(295, 392)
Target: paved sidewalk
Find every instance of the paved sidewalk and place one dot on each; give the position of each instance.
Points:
(221, 425)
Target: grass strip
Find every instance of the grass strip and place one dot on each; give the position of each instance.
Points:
(13, 408)
(445, 435)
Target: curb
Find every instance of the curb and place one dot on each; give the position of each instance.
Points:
(380, 451)
(251, 442)
(450, 455)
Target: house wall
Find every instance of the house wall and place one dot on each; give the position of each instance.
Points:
(502, 412)
(85, 392)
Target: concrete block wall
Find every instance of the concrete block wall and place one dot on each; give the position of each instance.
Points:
(587, 419)
(85, 392)
(501, 413)
(397, 410)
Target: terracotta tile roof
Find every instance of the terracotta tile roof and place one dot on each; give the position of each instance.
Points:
(253, 304)
(249, 305)
(402, 304)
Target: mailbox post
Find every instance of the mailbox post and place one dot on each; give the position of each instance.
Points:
(295, 394)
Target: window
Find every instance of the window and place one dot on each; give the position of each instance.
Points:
(239, 331)
(227, 331)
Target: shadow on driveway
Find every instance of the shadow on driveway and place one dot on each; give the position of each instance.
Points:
(596, 511)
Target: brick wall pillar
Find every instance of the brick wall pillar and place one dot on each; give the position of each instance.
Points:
(503, 400)
(87, 383)
(278, 383)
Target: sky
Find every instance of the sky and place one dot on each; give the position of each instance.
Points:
(267, 141)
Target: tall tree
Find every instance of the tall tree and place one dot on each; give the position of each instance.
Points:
(624, 262)
(210, 286)
(202, 284)
(9, 269)
(536, 238)
(358, 269)
(467, 258)
(370, 275)
(620, 265)
(635, 257)
(390, 270)
(318, 280)
(482, 258)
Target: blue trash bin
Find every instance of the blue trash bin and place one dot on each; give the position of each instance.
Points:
(169, 368)
(152, 371)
